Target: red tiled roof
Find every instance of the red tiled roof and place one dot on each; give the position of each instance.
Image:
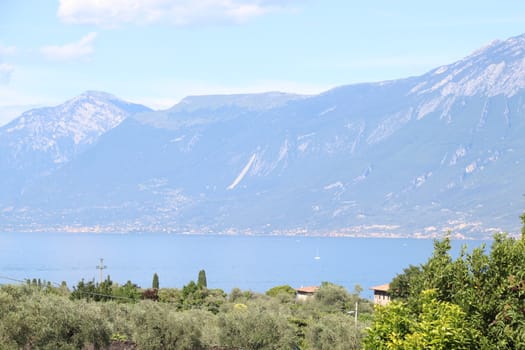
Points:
(311, 289)
(382, 288)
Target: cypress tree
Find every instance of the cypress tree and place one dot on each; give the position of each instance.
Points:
(201, 281)
(155, 283)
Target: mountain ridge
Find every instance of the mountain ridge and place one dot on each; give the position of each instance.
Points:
(414, 157)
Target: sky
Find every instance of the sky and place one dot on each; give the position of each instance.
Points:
(156, 52)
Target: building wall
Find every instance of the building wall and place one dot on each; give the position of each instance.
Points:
(381, 298)
(304, 296)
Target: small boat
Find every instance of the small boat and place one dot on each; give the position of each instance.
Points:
(317, 257)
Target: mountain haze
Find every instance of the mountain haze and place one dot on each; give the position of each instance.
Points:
(41, 140)
(410, 157)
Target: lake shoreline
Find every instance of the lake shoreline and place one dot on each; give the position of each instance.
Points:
(434, 236)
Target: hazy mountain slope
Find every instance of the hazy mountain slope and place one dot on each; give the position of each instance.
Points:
(42, 139)
(417, 156)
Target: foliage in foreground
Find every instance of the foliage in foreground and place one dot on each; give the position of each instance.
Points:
(193, 317)
(476, 301)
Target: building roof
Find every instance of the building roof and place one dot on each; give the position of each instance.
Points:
(382, 288)
(307, 290)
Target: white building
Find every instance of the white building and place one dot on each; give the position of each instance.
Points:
(305, 293)
(381, 295)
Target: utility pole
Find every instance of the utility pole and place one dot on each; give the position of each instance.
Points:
(355, 315)
(354, 312)
(101, 267)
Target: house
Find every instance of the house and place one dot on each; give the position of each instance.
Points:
(305, 293)
(381, 295)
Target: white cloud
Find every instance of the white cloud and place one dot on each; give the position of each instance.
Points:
(245, 12)
(178, 12)
(5, 72)
(7, 50)
(72, 51)
(6, 69)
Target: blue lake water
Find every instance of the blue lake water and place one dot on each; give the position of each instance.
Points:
(248, 262)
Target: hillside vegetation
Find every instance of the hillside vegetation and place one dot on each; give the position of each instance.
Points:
(104, 315)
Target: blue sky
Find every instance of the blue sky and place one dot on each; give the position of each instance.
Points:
(158, 51)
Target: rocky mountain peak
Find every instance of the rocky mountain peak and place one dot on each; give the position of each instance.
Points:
(496, 69)
(61, 130)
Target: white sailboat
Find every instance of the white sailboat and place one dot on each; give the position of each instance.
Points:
(317, 256)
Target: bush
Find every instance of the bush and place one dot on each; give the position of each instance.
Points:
(334, 331)
(52, 322)
(255, 328)
(154, 327)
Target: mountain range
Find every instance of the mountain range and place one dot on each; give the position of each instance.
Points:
(415, 157)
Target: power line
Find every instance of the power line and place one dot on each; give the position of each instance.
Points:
(79, 291)
(106, 295)
(13, 279)
(27, 280)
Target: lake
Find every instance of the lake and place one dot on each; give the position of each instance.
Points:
(248, 262)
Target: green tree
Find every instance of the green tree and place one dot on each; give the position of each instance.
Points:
(170, 295)
(201, 281)
(488, 288)
(335, 331)
(193, 296)
(332, 297)
(442, 325)
(522, 217)
(128, 292)
(236, 296)
(157, 327)
(255, 328)
(105, 290)
(39, 320)
(85, 290)
(439, 325)
(403, 284)
(155, 282)
(285, 289)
